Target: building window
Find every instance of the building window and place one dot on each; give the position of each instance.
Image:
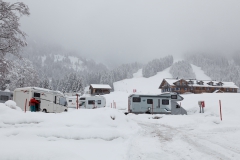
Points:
(149, 101)
(136, 99)
(178, 83)
(207, 88)
(191, 88)
(185, 89)
(227, 90)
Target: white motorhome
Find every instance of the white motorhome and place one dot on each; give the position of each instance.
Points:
(158, 104)
(51, 101)
(92, 102)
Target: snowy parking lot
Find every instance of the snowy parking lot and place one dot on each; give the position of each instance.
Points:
(109, 134)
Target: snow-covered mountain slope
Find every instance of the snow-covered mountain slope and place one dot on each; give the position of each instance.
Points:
(108, 134)
(142, 85)
(200, 73)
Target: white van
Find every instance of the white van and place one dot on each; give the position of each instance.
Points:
(51, 101)
(92, 102)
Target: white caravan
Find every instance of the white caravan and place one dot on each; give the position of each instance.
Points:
(92, 102)
(51, 101)
(72, 101)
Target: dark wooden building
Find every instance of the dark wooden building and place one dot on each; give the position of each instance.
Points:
(99, 89)
(196, 86)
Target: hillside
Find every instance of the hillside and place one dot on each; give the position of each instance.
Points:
(78, 134)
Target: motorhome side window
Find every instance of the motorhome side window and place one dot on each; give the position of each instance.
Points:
(82, 98)
(173, 96)
(91, 102)
(99, 102)
(136, 99)
(165, 102)
(149, 101)
(69, 100)
(36, 94)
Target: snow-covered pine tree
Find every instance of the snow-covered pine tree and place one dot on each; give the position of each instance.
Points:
(182, 69)
(157, 65)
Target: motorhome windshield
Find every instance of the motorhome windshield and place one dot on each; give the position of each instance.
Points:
(63, 101)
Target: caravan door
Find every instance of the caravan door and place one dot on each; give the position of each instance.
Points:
(55, 104)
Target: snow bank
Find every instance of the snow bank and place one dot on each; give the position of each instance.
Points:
(12, 104)
(77, 134)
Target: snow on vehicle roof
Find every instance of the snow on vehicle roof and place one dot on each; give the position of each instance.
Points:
(39, 89)
(101, 86)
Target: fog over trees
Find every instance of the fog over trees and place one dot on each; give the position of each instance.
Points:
(157, 65)
(50, 66)
(218, 66)
(182, 69)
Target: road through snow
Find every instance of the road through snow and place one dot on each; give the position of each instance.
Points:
(159, 141)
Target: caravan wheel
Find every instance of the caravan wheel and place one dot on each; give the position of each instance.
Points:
(44, 110)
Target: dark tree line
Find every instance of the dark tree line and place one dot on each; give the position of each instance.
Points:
(182, 69)
(218, 66)
(157, 65)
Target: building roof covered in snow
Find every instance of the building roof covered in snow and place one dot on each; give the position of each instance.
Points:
(100, 86)
(198, 83)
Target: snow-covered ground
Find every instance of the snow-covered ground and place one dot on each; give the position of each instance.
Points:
(107, 133)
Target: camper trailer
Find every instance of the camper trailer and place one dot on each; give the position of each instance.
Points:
(156, 104)
(72, 101)
(51, 101)
(5, 96)
(92, 102)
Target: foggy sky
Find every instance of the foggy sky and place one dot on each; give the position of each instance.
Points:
(121, 31)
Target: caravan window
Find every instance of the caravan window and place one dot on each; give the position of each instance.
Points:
(136, 99)
(149, 101)
(165, 102)
(4, 98)
(82, 98)
(99, 102)
(69, 100)
(173, 96)
(36, 94)
(91, 102)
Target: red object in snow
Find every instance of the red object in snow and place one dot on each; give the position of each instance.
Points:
(203, 104)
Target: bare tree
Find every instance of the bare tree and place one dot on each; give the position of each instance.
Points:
(12, 39)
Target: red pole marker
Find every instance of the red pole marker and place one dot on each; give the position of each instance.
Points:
(25, 106)
(77, 101)
(220, 109)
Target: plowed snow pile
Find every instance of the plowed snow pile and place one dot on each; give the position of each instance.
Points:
(78, 133)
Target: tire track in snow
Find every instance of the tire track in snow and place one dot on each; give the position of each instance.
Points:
(166, 134)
